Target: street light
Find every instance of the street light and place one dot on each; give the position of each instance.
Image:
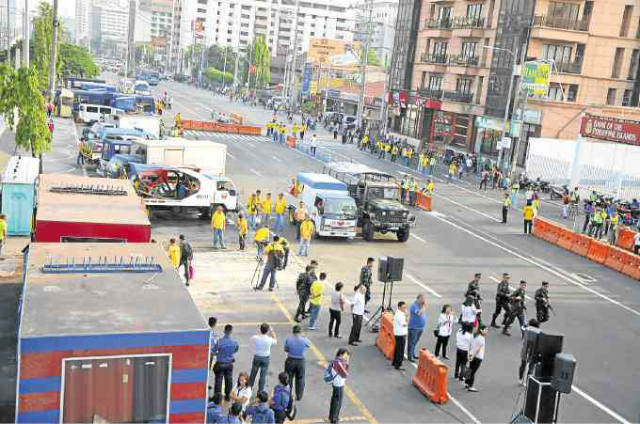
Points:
(506, 108)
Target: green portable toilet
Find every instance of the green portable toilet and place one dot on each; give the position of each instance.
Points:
(18, 193)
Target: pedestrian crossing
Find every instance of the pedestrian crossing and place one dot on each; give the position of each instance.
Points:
(220, 137)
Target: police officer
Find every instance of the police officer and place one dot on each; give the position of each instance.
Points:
(542, 302)
(303, 290)
(516, 309)
(473, 291)
(366, 276)
(503, 294)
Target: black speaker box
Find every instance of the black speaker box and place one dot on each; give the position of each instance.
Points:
(395, 268)
(546, 409)
(545, 352)
(563, 370)
(382, 268)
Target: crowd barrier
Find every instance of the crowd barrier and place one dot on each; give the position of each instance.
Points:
(616, 258)
(625, 238)
(208, 126)
(424, 201)
(431, 377)
(385, 341)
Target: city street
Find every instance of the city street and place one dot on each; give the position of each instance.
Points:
(596, 309)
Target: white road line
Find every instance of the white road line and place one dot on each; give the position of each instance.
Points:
(510, 286)
(539, 265)
(427, 288)
(255, 172)
(493, 218)
(603, 408)
(417, 237)
(275, 158)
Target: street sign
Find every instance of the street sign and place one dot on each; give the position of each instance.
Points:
(504, 143)
(535, 77)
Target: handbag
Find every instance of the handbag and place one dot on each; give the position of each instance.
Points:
(191, 271)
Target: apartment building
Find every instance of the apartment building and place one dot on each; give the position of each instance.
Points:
(382, 14)
(160, 13)
(464, 59)
(82, 20)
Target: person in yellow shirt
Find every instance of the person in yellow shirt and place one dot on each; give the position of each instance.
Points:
(252, 210)
(241, 222)
(3, 231)
(394, 153)
(274, 254)
(306, 232)
(315, 299)
(298, 216)
(428, 189)
(294, 130)
(261, 240)
(218, 224)
(267, 207)
(303, 129)
(528, 214)
(283, 132)
(174, 253)
(279, 209)
(258, 205)
(453, 168)
(286, 248)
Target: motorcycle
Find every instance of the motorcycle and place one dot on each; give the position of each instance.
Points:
(557, 192)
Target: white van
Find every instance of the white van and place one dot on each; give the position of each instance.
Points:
(142, 87)
(88, 113)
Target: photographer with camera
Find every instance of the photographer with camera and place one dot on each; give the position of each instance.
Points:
(275, 262)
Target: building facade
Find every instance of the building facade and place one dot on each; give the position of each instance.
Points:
(82, 22)
(383, 26)
(464, 60)
(161, 25)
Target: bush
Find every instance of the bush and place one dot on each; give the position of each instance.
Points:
(218, 76)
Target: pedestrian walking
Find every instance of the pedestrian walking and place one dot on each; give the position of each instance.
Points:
(241, 393)
(315, 300)
(452, 171)
(503, 295)
(313, 144)
(218, 224)
(306, 233)
(262, 343)
(432, 164)
(366, 277)
(476, 355)
(296, 346)
(338, 302)
(261, 413)
(242, 225)
(542, 302)
(413, 186)
(484, 179)
(357, 314)
(400, 334)
(506, 204)
(303, 287)
(463, 342)
(339, 372)
(252, 210)
(275, 258)
(527, 216)
(443, 330)
(279, 209)
(417, 322)
(281, 398)
(473, 291)
(468, 312)
(226, 348)
(299, 217)
(174, 253)
(186, 258)
(516, 309)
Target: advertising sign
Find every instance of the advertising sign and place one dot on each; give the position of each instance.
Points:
(611, 129)
(333, 53)
(306, 78)
(535, 77)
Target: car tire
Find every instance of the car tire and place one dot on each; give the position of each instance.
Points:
(403, 235)
(367, 231)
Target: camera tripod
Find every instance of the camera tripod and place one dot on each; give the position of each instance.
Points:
(374, 319)
(257, 272)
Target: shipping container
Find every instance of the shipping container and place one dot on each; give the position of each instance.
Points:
(18, 194)
(116, 339)
(73, 208)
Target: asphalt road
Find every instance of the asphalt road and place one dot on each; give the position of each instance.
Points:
(597, 310)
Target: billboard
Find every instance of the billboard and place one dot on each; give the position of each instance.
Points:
(333, 53)
(611, 129)
(535, 77)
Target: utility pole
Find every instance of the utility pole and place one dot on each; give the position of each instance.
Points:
(224, 68)
(25, 28)
(364, 60)
(54, 52)
(131, 51)
(292, 71)
(235, 71)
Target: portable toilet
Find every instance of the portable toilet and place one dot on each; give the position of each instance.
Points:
(18, 193)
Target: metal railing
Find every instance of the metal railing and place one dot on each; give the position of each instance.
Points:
(462, 60)
(444, 23)
(458, 96)
(435, 58)
(561, 23)
(430, 93)
(457, 22)
(569, 67)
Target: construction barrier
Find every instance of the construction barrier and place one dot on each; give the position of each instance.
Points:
(616, 259)
(625, 238)
(566, 238)
(632, 266)
(385, 341)
(598, 251)
(581, 245)
(539, 227)
(424, 201)
(221, 128)
(431, 377)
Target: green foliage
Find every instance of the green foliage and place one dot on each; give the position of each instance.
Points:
(42, 39)
(372, 58)
(258, 54)
(309, 107)
(19, 90)
(216, 57)
(77, 61)
(217, 76)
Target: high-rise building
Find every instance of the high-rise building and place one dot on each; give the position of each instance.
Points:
(11, 19)
(382, 15)
(161, 25)
(460, 86)
(82, 22)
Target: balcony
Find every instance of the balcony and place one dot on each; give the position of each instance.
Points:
(435, 58)
(569, 67)
(466, 22)
(560, 23)
(466, 61)
(444, 23)
(458, 96)
(430, 94)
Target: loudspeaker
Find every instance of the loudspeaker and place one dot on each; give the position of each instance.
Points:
(546, 409)
(564, 367)
(545, 352)
(532, 335)
(394, 268)
(382, 268)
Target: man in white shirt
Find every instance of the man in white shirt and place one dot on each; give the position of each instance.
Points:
(400, 330)
(357, 312)
(262, 343)
(476, 355)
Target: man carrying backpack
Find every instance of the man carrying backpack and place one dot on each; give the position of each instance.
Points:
(303, 290)
(261, 413)
(337, 373)
(281, 401)
(275, 260)
(186, 257)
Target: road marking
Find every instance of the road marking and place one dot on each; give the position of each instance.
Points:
(255, 172)
(257, 324)
(510, 286)
(608, 411)
(275, 158)
(540, 265)
(323, 361)
(424, 286)
(417, 237)
(467, 207)
(324, 420)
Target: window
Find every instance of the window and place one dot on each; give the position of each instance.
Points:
(202, 10)
(559, 11)
(445, 13)
(626, 20)
(626, 98)
(617, 62)
(440, 48)
(462, 125)
(611, 96)
(474, 10)
(435, 82)
(469, 49)
(633, 65)
(572, 93)
(558, 53)
(463, 85)
(555, 92)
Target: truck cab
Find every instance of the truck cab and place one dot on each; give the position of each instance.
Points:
(328, 202)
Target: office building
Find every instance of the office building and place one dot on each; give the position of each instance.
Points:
(382, 16)
(82, 22)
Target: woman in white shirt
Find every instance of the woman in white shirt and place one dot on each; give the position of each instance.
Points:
(357, 311)
(242, 392)
(338, 302)
(476, 355)
(445, 326)
(463, 342)
(468, 311)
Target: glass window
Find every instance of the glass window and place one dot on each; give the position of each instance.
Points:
(435, 82)
(555, 92)
(559, 11)
(440, 48)
(474, 10)
(558, 53)
(463, 85)
(469, 49)
(611, 96)
(626, 98)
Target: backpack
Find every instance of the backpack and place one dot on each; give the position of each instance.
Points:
(188, 251)
(328, 375)
(263, 415)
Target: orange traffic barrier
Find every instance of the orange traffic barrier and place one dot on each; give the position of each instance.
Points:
(632, 266)
(566, 238)
(385, 341)
(625, 238)
(431, 377)
(424, 201)
(539, 227)
(581, 245)
(617, 258)
(598, 251)
(552, 232)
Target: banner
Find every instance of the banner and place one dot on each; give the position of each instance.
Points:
(306, 79)
(611, 129)
(334, 53)
(535, 77)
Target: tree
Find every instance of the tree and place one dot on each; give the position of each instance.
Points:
(258, 56)
(77, 61)
(216, 57)
(372, 59)
(19, 90)
(42, 39)
(217, 76)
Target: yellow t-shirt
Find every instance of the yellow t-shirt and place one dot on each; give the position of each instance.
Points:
(281, 205)
(3, 228)
(262, 234)
(306, 230)
(174, 255)
(527, 213)
(242, 226)
(218, 220)
(266, 206)
(317, 289)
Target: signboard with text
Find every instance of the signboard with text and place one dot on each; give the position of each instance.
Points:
(624, 131)
(535, 77)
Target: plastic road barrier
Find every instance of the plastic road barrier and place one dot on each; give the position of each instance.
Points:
(424, 201)
(566, 238)
(385, 341)
(431, 377)
(625, 238)
(632, 267)
(581, 244)
(617, 258)
(598, 251)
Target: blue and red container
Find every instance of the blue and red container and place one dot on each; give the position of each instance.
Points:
(114, 339)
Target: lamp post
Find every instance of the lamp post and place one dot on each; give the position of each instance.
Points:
(506, 108)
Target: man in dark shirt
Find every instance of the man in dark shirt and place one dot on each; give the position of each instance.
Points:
(296, 346)
(225, 350)
(186, 256)
(502, 299)
(366, 277)
(542, 302)
(516, 309)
